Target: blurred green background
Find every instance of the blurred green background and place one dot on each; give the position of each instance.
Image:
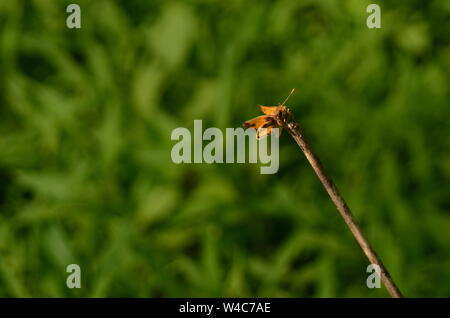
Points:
(86, 175)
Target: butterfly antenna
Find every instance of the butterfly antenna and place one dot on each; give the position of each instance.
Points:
(293, 90)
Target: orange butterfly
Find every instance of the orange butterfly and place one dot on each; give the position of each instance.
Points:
(274, 117)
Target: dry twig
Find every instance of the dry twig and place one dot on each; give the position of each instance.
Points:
(281, 117)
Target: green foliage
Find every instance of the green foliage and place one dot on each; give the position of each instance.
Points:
(85, 169)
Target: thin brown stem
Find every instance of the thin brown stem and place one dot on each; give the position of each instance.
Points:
(343, 208)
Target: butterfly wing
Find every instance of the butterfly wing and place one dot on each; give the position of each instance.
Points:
(258, 122)
(269, 110)
(261, 132)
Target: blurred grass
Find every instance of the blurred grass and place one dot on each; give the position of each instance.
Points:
(85, 169)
